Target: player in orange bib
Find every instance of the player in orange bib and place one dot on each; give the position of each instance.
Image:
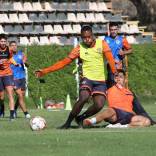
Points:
(93, 53)
(120, 108)
(6, 77)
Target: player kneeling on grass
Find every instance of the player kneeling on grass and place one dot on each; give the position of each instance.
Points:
(120, 111)
(19, 77)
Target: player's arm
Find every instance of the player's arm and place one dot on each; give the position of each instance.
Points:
(60, 64)
(108, 54)
(127, 49)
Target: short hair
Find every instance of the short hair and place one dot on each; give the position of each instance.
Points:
(121, 71)
(11, 42)
(111, 24)
(2, 36)
(86, 28)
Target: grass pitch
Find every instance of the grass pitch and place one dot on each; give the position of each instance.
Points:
(17, 139)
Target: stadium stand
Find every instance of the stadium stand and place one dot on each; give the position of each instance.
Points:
(46, 22)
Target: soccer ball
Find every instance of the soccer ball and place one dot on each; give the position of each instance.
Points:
(37, 123)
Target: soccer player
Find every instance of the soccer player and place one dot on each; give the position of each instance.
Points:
(92, 53)
(119, 47)
(6, 77)
(19, 77)
(120, 107)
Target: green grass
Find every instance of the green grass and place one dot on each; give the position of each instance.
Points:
(17, 139)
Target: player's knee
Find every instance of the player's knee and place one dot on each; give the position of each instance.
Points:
(147, 122)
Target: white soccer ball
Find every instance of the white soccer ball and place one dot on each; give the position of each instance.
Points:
(37, 123)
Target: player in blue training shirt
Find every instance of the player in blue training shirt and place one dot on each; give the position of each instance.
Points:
(19, 77)
(119, 47)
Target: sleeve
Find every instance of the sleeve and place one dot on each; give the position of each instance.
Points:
(108, 54)
(62, 63)
(126, 45)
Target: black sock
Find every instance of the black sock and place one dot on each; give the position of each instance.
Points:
(25, 113)
(82, 116)
(70, 119)
(2, 107)
(11, 114)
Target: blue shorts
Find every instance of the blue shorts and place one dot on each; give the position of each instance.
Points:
(20, 84)
(123, 117)
(6, 81)
(95, 87)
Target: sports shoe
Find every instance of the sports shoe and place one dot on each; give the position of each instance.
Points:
(28, 116)
(2, 114)
(15, 114)
(87, 122)
(118, 125)
(79, 121)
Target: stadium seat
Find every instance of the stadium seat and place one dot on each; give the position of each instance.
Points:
(61, 17)
(8, 28)
(47, 6)
(18, 6)
(66, 41)
(37, 6)
(74, 6)
(24, 41)
(116, 18)
(13, 39)
(131, 39)
(6, 6)
(97, 29)
(67, 29)
(71, 17)
(48, 29)
(52, 17)
(64, 6)
(83, 5)
(124, 28)
(76, 28)
(99, 17)
(90, 17)
(81, 17)
(18, 29)
(55, 5)
(27, 6)
(38, 29)
(42, 17)
(133, 29)
(93, 6)
(44, 40)
(23, 18)
(13, 18)
(4, 18)
(28, 29)
(58, 29)
(33, 17)
(54, 40)
(1, 30)
(101, 6)
(34, 40)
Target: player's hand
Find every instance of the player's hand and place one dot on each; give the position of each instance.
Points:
(39, 73)
(121, 52)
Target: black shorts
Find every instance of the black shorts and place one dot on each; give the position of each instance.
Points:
(123, 117)
(6, 81)
(20, 84)
(95, 87)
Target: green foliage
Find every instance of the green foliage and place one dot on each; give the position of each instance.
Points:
(142, 69)
(142, 65)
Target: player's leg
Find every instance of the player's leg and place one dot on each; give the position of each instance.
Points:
(83, 98)
(98, 94)
(109, 115)
(19, 86)
(9, 83)
(1, 97)
(139, 121)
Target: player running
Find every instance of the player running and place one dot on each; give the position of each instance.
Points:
(93, 54)
(19, 78)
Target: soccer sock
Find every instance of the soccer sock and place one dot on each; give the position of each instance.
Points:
(93, 120)
(1, 107)
(70, 119)
(25, 113)
(12, 114)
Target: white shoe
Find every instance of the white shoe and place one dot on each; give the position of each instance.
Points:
(27, 116)
(118, 125)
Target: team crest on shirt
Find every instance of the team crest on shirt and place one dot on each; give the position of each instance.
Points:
(84, 82)
(117, 41)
